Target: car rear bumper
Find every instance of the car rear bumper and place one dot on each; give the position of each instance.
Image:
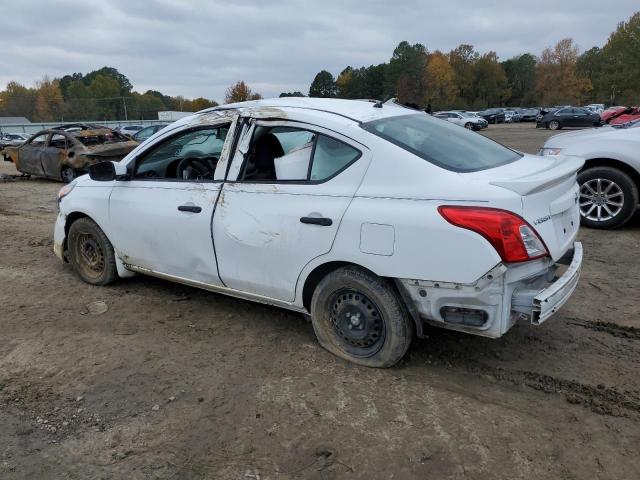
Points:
(495, 302)
(540, 305)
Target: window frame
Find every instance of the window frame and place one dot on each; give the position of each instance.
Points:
(317, 130)
(132, 166)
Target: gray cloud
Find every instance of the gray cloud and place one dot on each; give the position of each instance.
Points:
(198, 48)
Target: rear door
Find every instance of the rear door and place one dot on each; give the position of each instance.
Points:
(284, 205)
(54, 154)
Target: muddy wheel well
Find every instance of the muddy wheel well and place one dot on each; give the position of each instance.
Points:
(72, 217)
(607, 162)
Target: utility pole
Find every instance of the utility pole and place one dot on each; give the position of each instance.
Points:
(124, 104)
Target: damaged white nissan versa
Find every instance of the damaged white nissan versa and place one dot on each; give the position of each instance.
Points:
(372, 218)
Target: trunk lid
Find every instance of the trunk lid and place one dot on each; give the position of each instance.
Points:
(549, 196)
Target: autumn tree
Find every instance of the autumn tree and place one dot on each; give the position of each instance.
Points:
(557, 80)
(49, 101)
(240, 92)
(404, 75)
(323, 85)
(439, 81)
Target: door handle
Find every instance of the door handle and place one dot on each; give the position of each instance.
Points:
(190, 208)
(325, 222)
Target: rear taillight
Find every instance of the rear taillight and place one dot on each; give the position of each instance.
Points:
(512, 237)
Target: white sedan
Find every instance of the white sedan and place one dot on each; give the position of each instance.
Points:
(468, 120)
(373, 219)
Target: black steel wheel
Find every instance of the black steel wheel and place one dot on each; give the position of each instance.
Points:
(360, 317)
(357, 322)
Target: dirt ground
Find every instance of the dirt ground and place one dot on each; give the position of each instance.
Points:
(176, 383)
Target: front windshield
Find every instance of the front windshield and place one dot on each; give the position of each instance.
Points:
(442, 143)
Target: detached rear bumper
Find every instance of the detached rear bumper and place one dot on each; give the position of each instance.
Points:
(548, 301)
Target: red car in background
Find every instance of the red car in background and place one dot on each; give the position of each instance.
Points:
(618, 115)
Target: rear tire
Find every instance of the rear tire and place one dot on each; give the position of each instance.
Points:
(608, 197)
(90, 253)
(554, 125)
(360, 318)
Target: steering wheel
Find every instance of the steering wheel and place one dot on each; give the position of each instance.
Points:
(192, 168)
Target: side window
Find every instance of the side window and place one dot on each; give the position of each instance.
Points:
(58, 141)
(330, 157)
(293, 154)
(191, 155)
(39, 141)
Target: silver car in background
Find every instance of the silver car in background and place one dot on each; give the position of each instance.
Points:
(610, 179)
(464, 119)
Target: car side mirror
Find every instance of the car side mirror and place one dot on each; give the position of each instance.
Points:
(102, 172)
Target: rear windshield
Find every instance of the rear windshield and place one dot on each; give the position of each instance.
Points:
(442, 143)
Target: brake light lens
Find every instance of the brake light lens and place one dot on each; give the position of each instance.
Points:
(512, 237)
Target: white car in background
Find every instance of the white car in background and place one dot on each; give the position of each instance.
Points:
(12, 140)
(610, 179)
(129, 130)
(467, 120)
(372, 218)
(511, 116)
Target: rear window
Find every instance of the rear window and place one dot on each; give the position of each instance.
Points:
(442, 143)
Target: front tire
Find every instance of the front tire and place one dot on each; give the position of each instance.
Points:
(608, 197)
(468, 126)
(359, 317)
(68, 174)
(90, 253)
(554, 125)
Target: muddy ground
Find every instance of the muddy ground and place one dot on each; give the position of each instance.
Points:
(177, 383)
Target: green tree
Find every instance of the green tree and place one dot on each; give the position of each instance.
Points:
(463, 59)
(292, 94)
(521, 78)
(489, 81)
(323, 85)
(620, 73)
(18, 101)
(404, 75)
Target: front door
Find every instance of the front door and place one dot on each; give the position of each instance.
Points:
(53, 154)
(30, 155)
(162, 216)
(284, 204)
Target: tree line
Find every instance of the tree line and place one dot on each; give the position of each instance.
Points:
(466, 79)
(462, 78)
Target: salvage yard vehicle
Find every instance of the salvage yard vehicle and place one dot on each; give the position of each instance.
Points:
(493, 115)
(464, 119)
(146, 132)
(610, 179)
(67, 151)
(568, 117)
(12, 140)
(372, 218)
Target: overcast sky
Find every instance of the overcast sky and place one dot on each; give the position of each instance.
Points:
(198, 48)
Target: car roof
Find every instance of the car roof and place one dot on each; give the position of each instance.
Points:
(354, 110)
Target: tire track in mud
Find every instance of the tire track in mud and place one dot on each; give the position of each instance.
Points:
(600, 399)
(619, 331)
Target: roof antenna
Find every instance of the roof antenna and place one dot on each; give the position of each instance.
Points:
(379, 103)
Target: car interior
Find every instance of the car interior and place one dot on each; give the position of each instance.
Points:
(190, 156)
